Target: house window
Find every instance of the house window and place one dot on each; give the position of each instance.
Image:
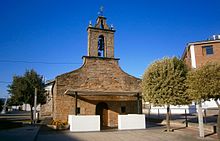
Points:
(207, 50)
(123, 109)
(78, 110)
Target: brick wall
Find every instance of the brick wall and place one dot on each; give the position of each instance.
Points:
(202, 58)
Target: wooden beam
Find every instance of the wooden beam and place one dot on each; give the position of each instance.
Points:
(138, 103)
(76, 97)
(100, 93)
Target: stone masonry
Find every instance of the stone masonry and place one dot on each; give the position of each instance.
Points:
(96, 74)
(101, 77)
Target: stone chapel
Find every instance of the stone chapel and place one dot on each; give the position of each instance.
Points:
(99, 86)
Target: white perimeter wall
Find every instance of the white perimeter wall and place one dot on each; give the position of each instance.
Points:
(80, 123)
(131, 121)
(189, 109)
(173, 109)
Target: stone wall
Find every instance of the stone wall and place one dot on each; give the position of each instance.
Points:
(96, 74)
(93, 36)
(66, 106)
(101, 28)
(47, 108)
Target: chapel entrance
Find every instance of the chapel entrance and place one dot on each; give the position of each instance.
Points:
(102, 110)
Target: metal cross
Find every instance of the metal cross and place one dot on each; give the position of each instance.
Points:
(101, 11)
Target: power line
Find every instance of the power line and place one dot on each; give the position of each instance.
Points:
(37, 62)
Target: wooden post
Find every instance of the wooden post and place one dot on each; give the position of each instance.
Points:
(149, 108)
(138, 103)
(186, 121)
(76, 97)
(205, 116)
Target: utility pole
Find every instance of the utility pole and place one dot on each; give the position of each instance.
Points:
(4, 106)
(35, 104)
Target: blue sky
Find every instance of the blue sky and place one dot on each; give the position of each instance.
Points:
(55, 31)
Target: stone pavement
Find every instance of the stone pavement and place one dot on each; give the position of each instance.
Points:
(149, 134)
(179, 120)
(153, 132)
(26, 133)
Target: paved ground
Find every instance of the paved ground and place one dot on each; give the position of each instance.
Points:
(154, 132)
(25, 133)
(150, 134)
(16, 126)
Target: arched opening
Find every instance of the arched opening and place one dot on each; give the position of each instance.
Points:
(101, 46)
(102, 110)
(102, 25)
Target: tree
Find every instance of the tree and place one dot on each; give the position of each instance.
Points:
(204, 84)
(164, 84)
(22, 89)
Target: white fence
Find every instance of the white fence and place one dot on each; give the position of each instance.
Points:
(131, 121)
(185, 109)
(81, 123)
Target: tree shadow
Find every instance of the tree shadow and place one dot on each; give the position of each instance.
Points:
(5, 124)
(152, 123)
(191, 118)
(47, 134)
(210, 134)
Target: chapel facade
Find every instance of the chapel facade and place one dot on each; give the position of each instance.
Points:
(99, 86)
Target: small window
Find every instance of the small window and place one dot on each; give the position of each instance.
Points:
(207, 50)
(78, 110)
(123, 109)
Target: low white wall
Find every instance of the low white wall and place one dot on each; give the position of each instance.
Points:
(80, 123)
(131, 121)
(173, 109)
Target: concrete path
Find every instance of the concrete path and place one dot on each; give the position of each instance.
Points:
(26, 133)
(150, 134)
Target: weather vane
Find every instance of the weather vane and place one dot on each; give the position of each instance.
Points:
(101, 10)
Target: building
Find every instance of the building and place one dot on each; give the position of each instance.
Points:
(46, 110)
(199, 53)
(195, 55)
(99, 86)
